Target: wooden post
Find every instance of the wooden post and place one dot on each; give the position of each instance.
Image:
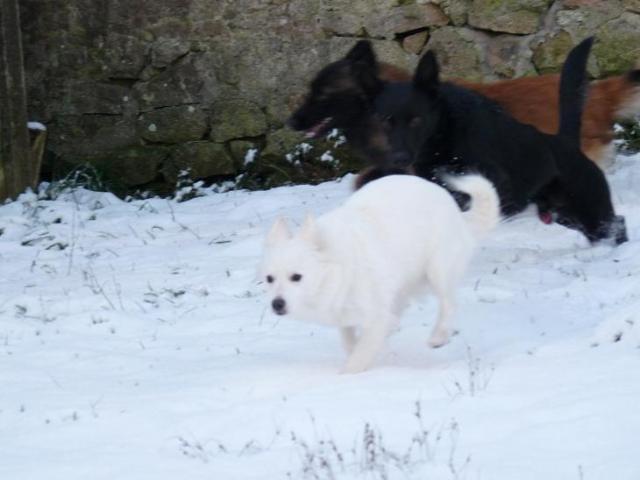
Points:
(38, 142)
(15, 150)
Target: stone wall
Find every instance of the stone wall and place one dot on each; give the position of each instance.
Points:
(146, 88)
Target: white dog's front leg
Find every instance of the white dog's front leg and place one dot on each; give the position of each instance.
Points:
(348, 335)
(442, 330)
(368, 345)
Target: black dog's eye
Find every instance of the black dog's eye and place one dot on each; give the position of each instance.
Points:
(323, 95)
(269, 279)
(415, 122)
(296, 277)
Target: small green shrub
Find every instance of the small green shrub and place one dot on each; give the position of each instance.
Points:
(628, 135)
(84, 176)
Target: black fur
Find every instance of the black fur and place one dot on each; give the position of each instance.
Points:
(433, 125)
(573, 92)
(374, 173)
(341, 96)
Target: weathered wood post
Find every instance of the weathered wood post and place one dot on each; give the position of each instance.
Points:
(15, 150)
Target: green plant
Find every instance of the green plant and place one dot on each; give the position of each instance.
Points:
(84, 176)
(628, 135)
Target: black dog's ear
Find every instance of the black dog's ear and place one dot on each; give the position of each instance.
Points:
(364, 67)
(362, 52)
(427, 73)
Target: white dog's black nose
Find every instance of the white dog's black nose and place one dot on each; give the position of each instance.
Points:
(279, 305)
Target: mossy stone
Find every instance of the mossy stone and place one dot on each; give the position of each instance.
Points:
(457, 11)
(549, 56)
(173, 124)
(458, 56)
(618, 46)
(132, 166)
(509, 16)
(202, 159)
(236, 118)
(632, 5)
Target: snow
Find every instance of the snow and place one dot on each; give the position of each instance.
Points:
(36, 126)
(327, 157)
(135, 344)
(337, 137)
(250, 156)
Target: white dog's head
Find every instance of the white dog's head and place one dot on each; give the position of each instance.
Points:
(292, 268)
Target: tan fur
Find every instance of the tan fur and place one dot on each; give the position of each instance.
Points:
(391, 73)
(534, 101)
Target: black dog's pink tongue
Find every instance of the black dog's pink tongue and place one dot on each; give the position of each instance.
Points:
(313, 131)
(546, 217)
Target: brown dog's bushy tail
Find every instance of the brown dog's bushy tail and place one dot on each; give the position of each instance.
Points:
(573, 90)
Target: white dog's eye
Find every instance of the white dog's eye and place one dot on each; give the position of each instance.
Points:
(296, 277)
(269, 279)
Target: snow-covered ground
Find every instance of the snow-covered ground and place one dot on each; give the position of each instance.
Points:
(135, 344)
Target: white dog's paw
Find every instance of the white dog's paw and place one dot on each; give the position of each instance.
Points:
(354, 366)
(439, 338)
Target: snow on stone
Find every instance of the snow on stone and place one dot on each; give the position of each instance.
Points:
(250, 156)
(36, 126)
(327, 157)
(337, 136)
(333, 134)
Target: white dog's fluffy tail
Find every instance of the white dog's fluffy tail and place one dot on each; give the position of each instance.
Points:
(484, 214)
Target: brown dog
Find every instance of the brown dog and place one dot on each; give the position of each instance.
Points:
(534, 100)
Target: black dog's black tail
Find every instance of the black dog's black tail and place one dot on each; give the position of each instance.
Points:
(573, 90)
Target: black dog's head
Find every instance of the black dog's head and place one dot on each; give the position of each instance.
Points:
(410, 112)
(341, 94)
(613, 229)
(597, 221)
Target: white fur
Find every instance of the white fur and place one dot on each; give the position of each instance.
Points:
(605, 156)
(362, 262)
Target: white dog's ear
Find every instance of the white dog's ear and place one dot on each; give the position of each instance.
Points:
(279, 232)
(309, 230)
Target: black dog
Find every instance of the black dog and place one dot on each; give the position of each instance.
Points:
(342, 96)
(437, 126)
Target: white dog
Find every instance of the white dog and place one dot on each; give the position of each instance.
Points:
(357, 266)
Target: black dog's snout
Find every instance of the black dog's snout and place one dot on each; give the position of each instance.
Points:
(279, 305)
(620, 230)
(615, 230)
